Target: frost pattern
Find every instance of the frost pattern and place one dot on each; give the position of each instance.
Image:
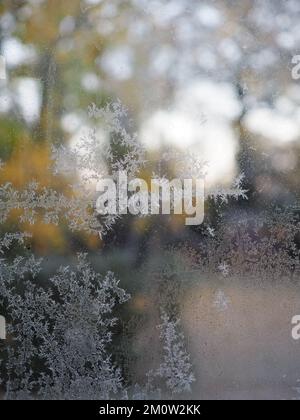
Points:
(221, 301)
(61, 330)
(94, 160)
(62, 333)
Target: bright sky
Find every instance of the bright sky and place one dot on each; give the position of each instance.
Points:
(199, 119)
(214, 140)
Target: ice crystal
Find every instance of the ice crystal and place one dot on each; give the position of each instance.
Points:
(61, 333)
(176, 368)
(221, 301)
